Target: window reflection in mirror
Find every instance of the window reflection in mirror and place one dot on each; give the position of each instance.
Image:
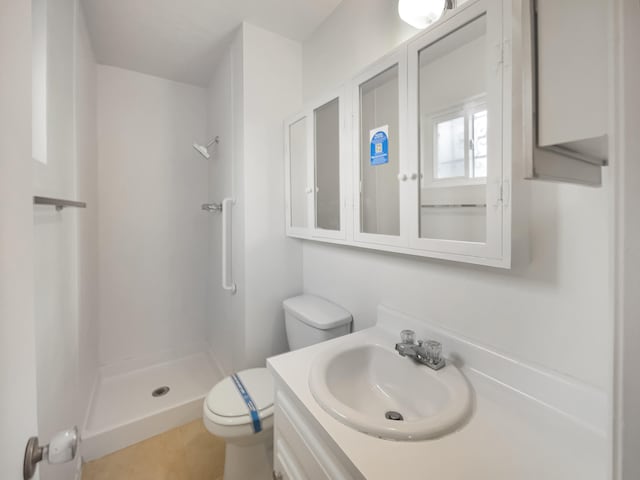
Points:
(379, 189)
(453, 135)
(327, 165)
(298, 169)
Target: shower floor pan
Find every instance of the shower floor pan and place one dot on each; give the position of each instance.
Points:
(132, 406)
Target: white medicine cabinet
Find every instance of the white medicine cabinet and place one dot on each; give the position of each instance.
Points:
(419, 144)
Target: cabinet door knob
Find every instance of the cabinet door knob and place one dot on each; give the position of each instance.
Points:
(414, 176)
(402, 177)
(309, 190)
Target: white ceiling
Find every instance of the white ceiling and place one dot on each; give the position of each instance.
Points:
(182, 39)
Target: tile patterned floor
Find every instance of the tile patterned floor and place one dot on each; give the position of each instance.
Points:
(188, 452)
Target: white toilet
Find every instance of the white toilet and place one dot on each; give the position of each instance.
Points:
(246, 421)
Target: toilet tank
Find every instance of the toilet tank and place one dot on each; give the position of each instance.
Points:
(310, 319)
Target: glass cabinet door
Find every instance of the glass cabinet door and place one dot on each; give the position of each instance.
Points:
(379, 111)
(455, 105)
(328, 142)
(298, 172)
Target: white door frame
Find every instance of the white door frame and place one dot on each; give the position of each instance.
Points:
(17, 335)
(626, 243)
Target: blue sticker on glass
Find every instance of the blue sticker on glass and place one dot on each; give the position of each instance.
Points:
(379, 139)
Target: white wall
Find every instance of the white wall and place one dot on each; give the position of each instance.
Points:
(272, 91)
(65, 242)
(552, 310)
(153, 255)
(222, 110)
(17, 344)
(255, 86)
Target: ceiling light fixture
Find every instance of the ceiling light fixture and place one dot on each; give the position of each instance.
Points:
(422, 13)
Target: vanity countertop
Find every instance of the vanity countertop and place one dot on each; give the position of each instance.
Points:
(510, 435)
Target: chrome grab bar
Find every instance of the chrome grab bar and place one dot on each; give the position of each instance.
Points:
(212, 207)
(59, 203)
(227, 283)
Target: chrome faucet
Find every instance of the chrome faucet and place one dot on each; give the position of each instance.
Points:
(426, 352)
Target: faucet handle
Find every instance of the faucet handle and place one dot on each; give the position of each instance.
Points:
(434, 351)
(408, 336)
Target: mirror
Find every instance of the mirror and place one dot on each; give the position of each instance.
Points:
(454, 125)
(379, 147)
(327, 165)
(298, 173)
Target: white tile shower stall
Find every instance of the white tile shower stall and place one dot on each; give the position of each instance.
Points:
(123, 410)
(154, 264)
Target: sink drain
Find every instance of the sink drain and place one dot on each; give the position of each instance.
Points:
(160, 391)
(391, 415)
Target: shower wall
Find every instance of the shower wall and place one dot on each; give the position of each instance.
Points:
(153, 237)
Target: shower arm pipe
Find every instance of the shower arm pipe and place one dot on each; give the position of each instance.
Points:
(227, 282)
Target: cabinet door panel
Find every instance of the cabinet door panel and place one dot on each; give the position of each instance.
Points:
(329, 150)
(380, 113)
(285, 463)
(327, 165)
(380, 192)
(456, 118)
(298, 173)
(453, 136)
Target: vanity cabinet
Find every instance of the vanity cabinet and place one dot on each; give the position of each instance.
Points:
(301, 449)
(315, 160)
(428, 161)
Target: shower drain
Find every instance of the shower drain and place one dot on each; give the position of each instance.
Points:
(160, 391)
(391, 415)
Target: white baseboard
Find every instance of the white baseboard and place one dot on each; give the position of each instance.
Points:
(97, 445)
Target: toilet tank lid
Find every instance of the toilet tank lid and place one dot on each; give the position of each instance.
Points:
(317, 312)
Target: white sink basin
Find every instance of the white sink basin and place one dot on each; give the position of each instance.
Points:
(359, 383)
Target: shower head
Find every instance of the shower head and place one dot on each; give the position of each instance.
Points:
(204, 149)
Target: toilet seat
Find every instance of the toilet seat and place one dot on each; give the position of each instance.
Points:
(225, 407)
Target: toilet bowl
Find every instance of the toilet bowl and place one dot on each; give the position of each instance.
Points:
(240, 407)
(249, 448)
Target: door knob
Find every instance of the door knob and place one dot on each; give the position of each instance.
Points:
(62, 448)
(402, 177)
